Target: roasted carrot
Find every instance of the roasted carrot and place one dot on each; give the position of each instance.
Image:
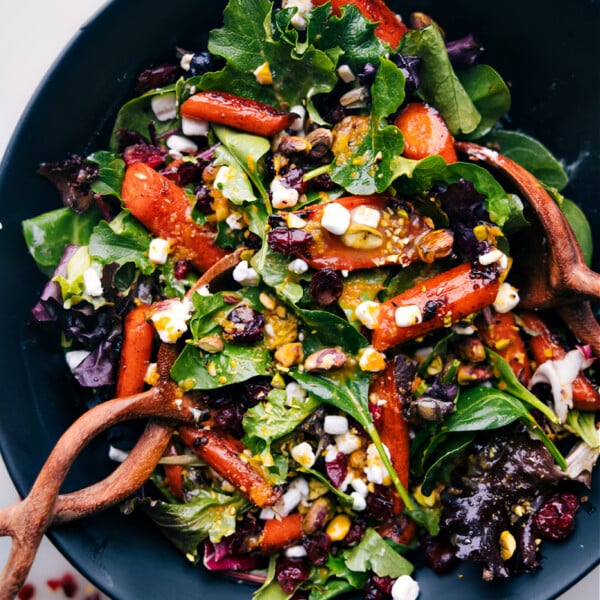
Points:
(436, 302)
(281, 532)
(163, 207)
(174, 475)
(425, 133)
(392, 427)
(401, 236)
(390, 27)
(237, 112)
(138, 337)
(225, 455)
(502, 335)
(544, 346)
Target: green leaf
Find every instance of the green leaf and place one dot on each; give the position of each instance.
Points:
(578, 222)
(110, 173)
(440, 85)
(531, 155)
(583, 424)
(273, 270)
(123, 240)
(387, 91)
(415, 176)
(46, 235)
(373, 553)
(247, 41)
(198, 370)
(489, 94)
(208, 515)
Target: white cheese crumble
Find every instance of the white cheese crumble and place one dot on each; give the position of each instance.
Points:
(92, 283)
(493, 256)
(282, 196)
(358, 502)
(507, 298)
(375, 469)
(336, 218)
(365, 215)
(170, 318)
(234, 220)
(347, 443)
(371, 360)
(367, 313)
(297, 125)
(164, 106)
(245, 275)
(182, 145)
(406, 316)
(190, 126)
(294, 393)
(297, 551)
(158, 252)
(298, 266)
(75, 357)
(303, 454)
(335, 424)
(405, 588)
(304, 7)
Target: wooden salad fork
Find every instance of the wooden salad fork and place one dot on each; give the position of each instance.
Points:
(558, 278)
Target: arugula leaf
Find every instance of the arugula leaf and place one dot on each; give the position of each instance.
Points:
(373, 553)
(110, 173)
(581, 228)
(247, 41)
(530, 154)
(489, 94)
(46, 235)
(198, 370)
(123, 240)
(440, 85)
(209, 514)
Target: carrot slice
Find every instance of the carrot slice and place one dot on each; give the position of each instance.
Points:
(390, 27)
(440, 300)
(237, 112)
(163, 207)
(544, 346)
(225, 455)
(279, 533)
(503, 337)
(425, 133)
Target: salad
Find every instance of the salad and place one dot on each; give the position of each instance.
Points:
(370, 394)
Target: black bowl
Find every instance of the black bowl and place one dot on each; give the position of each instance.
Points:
(547, 50)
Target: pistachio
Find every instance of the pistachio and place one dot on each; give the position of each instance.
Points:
(471, 349)
(289, 354)
(319, 513)
(325, 359)
(467, 374)
(210, 344)
(320, 141)
(294, 144)
(434, 244)
(362, 237)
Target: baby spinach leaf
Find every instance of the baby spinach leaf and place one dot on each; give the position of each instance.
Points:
(414, 176)
(198, 370)
(387, 91)
(123, 240)
(489, 94)
(273, 270)
(440, 85)
(373, 553)
(530, 154)
(46, 235)
(110, 173)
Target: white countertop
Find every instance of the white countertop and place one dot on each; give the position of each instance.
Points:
(28, 46)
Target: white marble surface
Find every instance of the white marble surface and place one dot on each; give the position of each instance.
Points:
(32, 35)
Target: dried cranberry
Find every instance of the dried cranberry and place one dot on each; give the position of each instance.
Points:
(440, 555)
(373, 591)
(150, 155)
(379, 503)
(555, 520)
(318, 548)
(384, 584)
(69, 585)
(336, 114)
(288, 241)
(244, 325)
(255, 392)
(182, 268)
(326, 287)
(323, 182)
(184, 173)
(156, 77)
(26, 592)
(230, 418)
(129, 137)
(376, 412)
(291, 572)
(293, 177)
(356, 533)
(337, 469)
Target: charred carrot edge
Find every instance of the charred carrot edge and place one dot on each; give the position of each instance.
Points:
(163, 207)
(442, 300)
(393, 429)
(544, 346)
(237, 112)
(225, 455)
(502, 336)
(279, 533)
(425, 133)
(138, 338)
(390, 28)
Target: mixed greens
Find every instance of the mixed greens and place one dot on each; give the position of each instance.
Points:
(367, 364)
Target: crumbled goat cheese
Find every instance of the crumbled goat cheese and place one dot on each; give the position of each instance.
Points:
(181, 144)
(164, 106)
(367, 313)
(406, 316)
(158, 252)
(282, 196)
(190, 126)
(507, 298)
(170, 318)
(335, 424)
(365, 215)
(92, 283)
(298, 266)
(336, 218)
(245, 275)
(405, 588)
